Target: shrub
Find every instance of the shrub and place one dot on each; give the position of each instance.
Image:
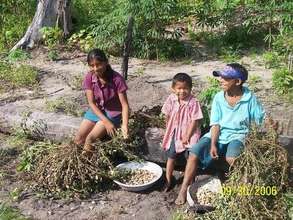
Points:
(18, 55)
(64, 105)
(51, 36)
(84, 40)
(283, 81)
(271, 59)
(206, 97)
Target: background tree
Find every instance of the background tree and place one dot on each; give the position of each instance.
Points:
(49, 13)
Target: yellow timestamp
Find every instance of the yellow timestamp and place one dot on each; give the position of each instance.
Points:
(249, 190)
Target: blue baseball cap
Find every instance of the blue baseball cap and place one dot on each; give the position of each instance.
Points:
(231, 73)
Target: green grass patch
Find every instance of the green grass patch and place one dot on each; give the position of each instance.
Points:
(12, 76)
(18, 55)
(9, 213)
(63, 105)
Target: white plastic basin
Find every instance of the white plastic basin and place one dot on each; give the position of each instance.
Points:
(149, 166)
(209, 182)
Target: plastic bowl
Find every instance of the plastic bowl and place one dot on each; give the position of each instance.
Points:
(209, 182)
(149, 166)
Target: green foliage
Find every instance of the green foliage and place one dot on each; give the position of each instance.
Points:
(151, 19)
(283, 44)
(84, 40)
(8, 213)
(275, 16)
(230, 56)
(289, 202)
(15, 194)
(108, 21)
(23, 75)
(32, 154)
(52, 55)
(180, 215)
(18, 138)
(271, 59)
(51, 36)
(245, 24)
(15, 16)
(206, 97)
(228, 44)
(171, 49)
(283, 81)
(83, 15)
(18, 55)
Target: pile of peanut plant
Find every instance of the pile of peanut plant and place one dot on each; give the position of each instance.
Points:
(257, 182)
(63, 168)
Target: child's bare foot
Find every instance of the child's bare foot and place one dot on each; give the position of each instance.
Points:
(167, 187)
(181, 198)
(169, 183)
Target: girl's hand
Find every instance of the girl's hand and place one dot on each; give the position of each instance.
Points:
(110, 128)
(125, 131)
(214, 152)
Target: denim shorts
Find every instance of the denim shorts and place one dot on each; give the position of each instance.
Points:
(89, 115)
(171, 152)
(202, 150)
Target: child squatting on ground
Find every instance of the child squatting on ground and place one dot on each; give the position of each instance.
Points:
(182, 113)
(106, 95)
(233, 110)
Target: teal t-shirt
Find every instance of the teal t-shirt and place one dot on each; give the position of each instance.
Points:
(234, 121)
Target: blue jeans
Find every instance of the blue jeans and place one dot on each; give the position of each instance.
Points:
(202, 150)
(89, 115)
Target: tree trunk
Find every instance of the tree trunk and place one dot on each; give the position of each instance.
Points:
(48, 14)
(126, 47)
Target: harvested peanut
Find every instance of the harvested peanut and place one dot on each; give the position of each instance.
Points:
(137, 177)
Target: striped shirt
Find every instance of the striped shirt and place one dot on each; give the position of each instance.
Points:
(180, 118)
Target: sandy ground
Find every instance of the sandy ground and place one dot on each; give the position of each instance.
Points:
(156, 72)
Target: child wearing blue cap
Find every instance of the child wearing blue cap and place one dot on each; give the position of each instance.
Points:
(233, 110)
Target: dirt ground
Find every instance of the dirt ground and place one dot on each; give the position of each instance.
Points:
(149, 85)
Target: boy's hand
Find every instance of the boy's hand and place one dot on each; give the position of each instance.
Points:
(125, 131)
(214, 152)
(185, 140)
(270, 123)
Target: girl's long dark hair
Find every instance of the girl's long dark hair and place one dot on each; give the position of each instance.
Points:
(97, 54)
